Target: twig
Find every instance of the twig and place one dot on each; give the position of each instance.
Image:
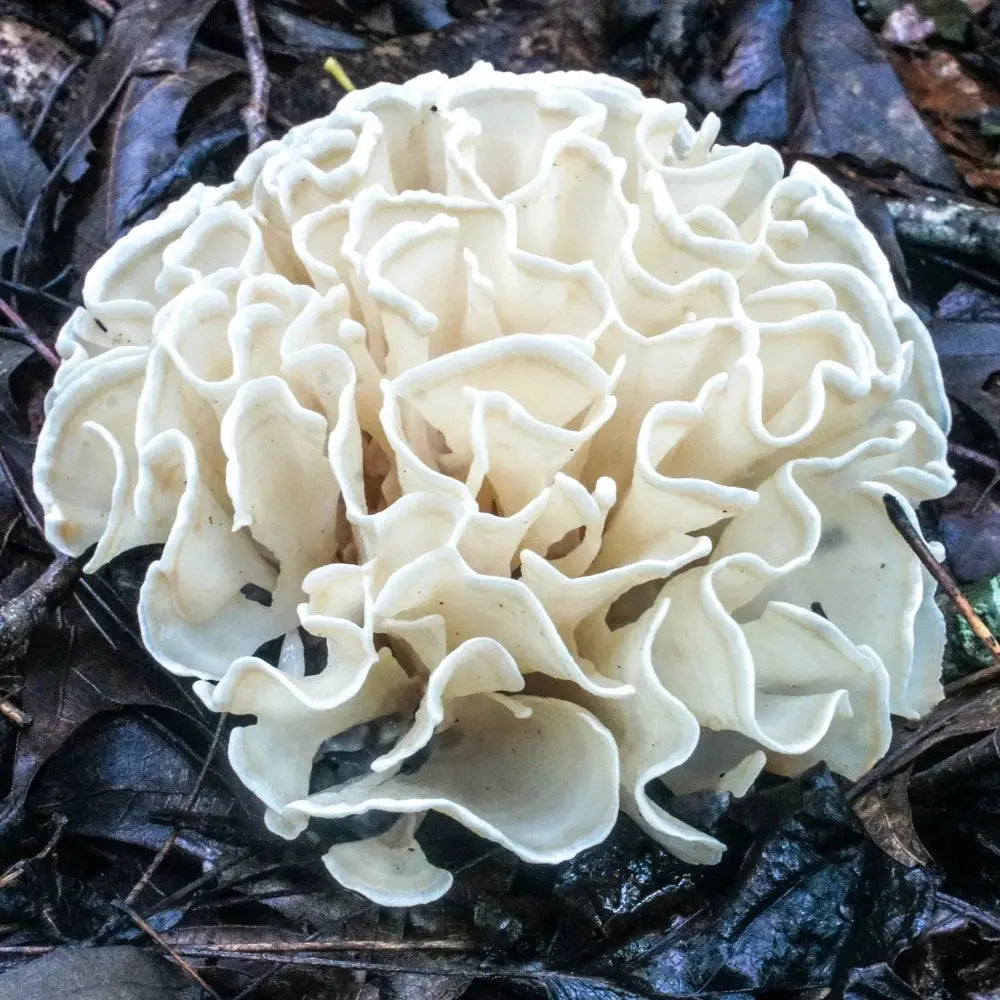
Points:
(42, 293)
(947, 583)
(947, 225)
(37, 344)
(186, 966)
(259, 981)
(14, 714)
(168, 844)
(301, 947)
(255, 113)
(21, 614)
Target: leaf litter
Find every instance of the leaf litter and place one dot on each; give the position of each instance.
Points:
(130, 860)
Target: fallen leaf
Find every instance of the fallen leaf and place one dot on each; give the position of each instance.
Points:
(969, 526)
(745, 81)
(140, 144)
(297, 33)
(421, 15)
(811, 900)
(970, 714)
(969, 352)
(22, 176)
(887, 818)
(70, 676)
(116, 973)
(145, 36)
(939, 83)
(987, 179)
(110, 780)
(845, 99)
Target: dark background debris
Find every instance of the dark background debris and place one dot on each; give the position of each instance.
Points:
(133, 865)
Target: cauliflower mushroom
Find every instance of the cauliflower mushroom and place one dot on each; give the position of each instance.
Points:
(558, 428)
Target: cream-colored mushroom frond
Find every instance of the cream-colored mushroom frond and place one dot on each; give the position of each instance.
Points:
(562, 429)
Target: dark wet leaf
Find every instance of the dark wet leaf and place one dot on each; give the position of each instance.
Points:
(800, 914)
(609, 886)
(305, 895)
(570, 987)
(877, 982)
(18, 446)
(888, 819)
(410, 986)
(116, 973)
(200, 152)
(305, 34)
(746, 81)
(22, 175)
(145, 37)
(845, 99)
(970, 358)
(70, 676)
(964, 716)
(112, 778)
(421, 15)
(140, 144)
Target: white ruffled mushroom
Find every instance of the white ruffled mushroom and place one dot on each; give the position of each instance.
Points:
(557, 432)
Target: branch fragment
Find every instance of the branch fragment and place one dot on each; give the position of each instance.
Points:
(255, 113)
(947, 583)
(30, 337)
(20, 615)
(954, 226)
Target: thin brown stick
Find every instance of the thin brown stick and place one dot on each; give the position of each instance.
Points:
(258, 981)
(13, 714)
(36, 522)
(985, 676)
(302, 947)
(168, 844)
(188, 969)
(947, 583)
(31, 338)
(255, 113)
(20, 615)
(255, 948)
